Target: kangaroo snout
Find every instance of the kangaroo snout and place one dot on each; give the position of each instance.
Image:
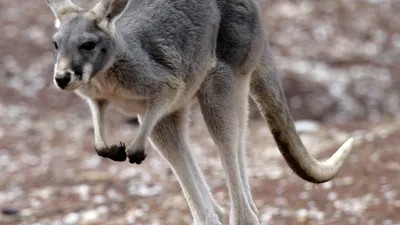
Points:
(62, 79)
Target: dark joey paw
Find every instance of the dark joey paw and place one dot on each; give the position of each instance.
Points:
(137, 156)
(114, 152)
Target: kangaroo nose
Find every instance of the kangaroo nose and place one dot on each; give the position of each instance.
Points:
(63, 80)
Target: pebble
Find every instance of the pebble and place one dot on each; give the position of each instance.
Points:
(83, 191)
(71, 218)
(94, 176)
(302, 215)
(99, 199)
(44, 193)
(304, 195)
(90, 216)
(306, 126)
(92, 162)
(327, 185)
(332, 196)
(9, 211)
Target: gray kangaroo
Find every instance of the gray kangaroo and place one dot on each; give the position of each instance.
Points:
(152, 57)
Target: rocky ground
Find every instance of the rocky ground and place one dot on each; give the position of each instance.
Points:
(340, 70)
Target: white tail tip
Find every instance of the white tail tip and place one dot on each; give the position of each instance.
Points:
(341, 154)
(348, 144)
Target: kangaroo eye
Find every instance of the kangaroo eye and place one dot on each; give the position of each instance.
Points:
(55, 45)
(88, 46)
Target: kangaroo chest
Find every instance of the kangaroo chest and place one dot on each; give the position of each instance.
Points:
(124, 100)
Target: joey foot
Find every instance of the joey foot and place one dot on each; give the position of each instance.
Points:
(137, 156)
(114, 152)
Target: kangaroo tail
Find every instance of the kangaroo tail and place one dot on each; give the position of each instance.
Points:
(267, 92)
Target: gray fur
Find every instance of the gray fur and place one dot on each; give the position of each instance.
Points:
(151, 57)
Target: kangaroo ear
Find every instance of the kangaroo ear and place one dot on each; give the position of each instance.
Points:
(61, 8)
(108, 11)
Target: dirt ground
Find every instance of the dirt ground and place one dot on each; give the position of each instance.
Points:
(339, 62)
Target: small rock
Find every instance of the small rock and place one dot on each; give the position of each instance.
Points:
(83, 191)
(304, 195)
(9, 211)
(280, 201)
(302, 215)
(130, 218)
(94, 176)
(308, 186)
(30, 159)
(90, 216)
(113, 194)
(102, 210)
(128, 173)
(26, 212)
(71, 218)
(306, 126)
(332, 196)
(92, 162)
(344, 181)
(43, 193)
(318, 215)
(327, 185)
(99, 199)
(387, 222)
(145, 190)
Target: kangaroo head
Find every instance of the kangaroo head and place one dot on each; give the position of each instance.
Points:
(84, 42)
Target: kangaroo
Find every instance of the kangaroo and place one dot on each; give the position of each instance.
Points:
(152, 57)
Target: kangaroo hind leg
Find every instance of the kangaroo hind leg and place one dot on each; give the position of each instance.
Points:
(219, 105)
(171, 138)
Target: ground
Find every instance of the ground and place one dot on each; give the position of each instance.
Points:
(338, 64)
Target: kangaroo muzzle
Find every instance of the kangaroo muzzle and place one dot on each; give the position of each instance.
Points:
(62, 79)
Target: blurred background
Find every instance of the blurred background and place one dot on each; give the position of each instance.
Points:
(339, 62)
